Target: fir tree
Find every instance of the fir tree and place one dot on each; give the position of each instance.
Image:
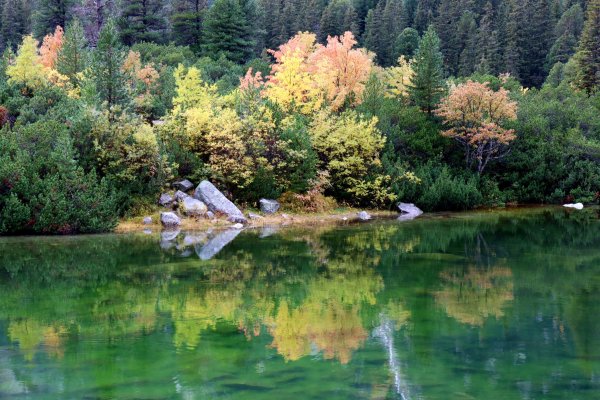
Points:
(107, 75)
(72, 57)
(142, 21)
(427, 85)
(487, 55)
(338, 17)
(588, 53)
(51, 13)
(186, 22)
(567, 31)
(226, 31)
(14, 24)
(407, 43)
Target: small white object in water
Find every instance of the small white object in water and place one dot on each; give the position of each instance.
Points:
(577, 206)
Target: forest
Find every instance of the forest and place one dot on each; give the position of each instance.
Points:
(449, 104)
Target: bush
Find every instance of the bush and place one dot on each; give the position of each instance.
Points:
(42, 190)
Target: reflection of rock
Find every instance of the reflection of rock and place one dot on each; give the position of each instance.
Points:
(409, 211)
(577, 206)
(168, 239)
(216, 244)
(267, 231)
(217, 202)
(169, 219)
(269, 206)
(186, 253)
(192, 239)
(364, 216)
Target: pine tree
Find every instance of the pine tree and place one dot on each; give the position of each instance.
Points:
(424, 14)
(72, 57)
(338, 17)
(407, 43)
(468, 33)
(393, 24)
(567, 31)
(108, 78)
(372, 37)
(539, 30)
(226, 31)
(186, 21)
(513, 49)
(487, 56)
(588, 52)
(51, 13)
(427, 85)
(142, 21)
(14, 24)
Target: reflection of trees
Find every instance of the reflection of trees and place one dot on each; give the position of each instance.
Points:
(473, 294)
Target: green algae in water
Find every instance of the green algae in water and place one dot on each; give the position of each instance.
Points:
(494, 305)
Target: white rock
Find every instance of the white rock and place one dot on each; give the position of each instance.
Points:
(577, 206)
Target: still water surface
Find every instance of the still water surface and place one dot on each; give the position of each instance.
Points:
(495, 305)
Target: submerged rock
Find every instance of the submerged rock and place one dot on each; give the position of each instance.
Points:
(193, 207)
(268, 206)
(184, 185)
(165, 200)
(169, 219)
(218, 203)
(267, 231)
(238, 226)
(577, 206)
(216, 244)
(364, 216)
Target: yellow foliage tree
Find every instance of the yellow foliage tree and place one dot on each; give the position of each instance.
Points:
(27, 69)
(191, 91)
(398, 79)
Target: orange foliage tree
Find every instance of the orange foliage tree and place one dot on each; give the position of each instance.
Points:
(475, 115)
(341, 71)
(307, 75)
(51, 45)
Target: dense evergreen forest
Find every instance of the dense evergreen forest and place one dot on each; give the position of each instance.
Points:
(451, 104)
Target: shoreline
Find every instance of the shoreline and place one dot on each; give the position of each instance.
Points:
(336, 217)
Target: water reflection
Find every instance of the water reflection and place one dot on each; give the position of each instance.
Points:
(424, 309)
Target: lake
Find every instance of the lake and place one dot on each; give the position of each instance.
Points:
(482, 305)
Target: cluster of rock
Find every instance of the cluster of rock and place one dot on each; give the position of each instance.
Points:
(207, 201)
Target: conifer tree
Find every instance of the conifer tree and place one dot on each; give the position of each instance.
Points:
(407, 43)
(487, 57)
(227, 32)
(372, 35)
(567, 31)
(107, 74)
(13, 23)
(72, 57)
(142, 21)
(51, 13)
(588, 52)
(427, 85)
(186, 21)
(338, 17)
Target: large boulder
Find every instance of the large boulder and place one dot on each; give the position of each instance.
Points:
(268, 206)
(169, 219)
(409, 208)
(576, 206)
(192, 207)
(218, 203)
(165, 200)
(184, 185)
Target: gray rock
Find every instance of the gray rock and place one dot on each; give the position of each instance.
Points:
(576, 206)
(217, 202)
(193, 207)
(147, 220)
(364, 216)
(184, 185)
(269, 206)
(179, 195)
(285, 216)
(255, 216)
(216, 244)
(210, 215)
(165, 200)
(409, 210)
(169, 219)
(238, 226)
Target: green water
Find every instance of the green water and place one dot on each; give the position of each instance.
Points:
(499, 305)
